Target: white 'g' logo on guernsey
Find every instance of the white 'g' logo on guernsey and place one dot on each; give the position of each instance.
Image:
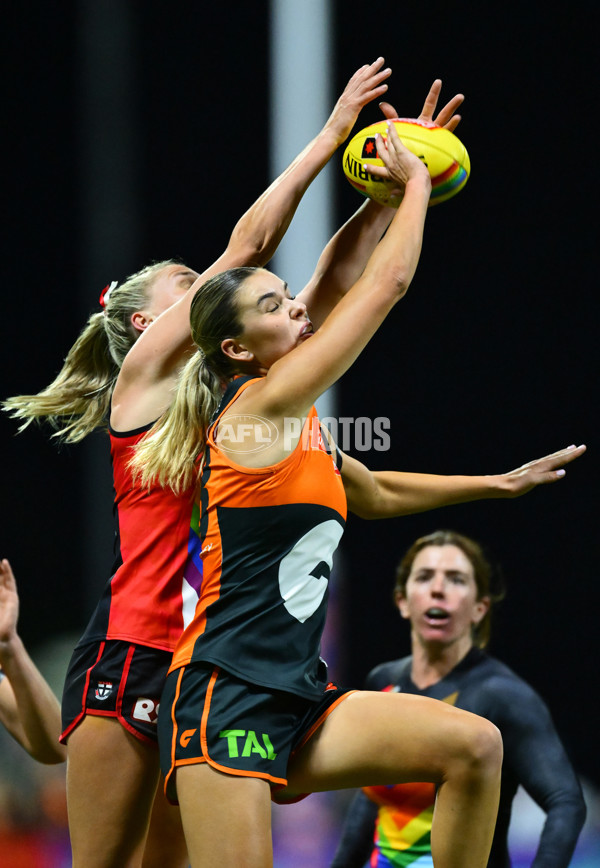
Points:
(302, 590)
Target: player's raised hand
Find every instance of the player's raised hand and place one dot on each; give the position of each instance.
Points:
(447, 116)
(399, 164)
(9, 603)
(540, 471)
(366, 84)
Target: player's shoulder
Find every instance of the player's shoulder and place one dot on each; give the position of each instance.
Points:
(503, 684)
(495, 668)
(388, 674)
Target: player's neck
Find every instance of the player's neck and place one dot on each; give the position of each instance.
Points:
(432, 661)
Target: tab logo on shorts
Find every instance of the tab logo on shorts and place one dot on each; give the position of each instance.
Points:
(103, 690)
(251, 743)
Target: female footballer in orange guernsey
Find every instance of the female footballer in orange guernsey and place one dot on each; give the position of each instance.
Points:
(248, 712)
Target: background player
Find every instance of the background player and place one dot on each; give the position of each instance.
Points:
(28, 708)
(444, 589)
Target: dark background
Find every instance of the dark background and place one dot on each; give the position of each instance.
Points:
(490, 361)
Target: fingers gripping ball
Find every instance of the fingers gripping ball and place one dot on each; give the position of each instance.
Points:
(442, 152)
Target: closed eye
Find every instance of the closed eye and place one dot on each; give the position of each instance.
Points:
(187, 278)
(272, 298)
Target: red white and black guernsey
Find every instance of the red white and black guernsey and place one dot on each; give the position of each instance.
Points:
(147, 597)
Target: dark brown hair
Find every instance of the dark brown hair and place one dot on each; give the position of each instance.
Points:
(487, 576)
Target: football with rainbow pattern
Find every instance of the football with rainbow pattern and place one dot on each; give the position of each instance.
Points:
(442, 152)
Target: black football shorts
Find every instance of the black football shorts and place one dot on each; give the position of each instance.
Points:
(115, 679)
(209, 715)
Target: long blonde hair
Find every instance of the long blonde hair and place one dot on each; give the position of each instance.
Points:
(170, 452)
(77, 401)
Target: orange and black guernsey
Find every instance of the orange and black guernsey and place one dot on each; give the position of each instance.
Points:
(268, 538)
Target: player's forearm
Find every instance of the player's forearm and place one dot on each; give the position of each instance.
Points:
(261, 228)
(346, 255)
(560, 833)
(356, 842)
(400, 249)
(344, 259)
(37, 723)
(397, 493)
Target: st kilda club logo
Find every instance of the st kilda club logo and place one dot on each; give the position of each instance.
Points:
(103, 689)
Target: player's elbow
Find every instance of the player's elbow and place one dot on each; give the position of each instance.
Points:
(579, 811)
(243, 254)
(392, 281)
(251, 248)
(402, 282)
(568, 810)
(50, 755)
(368, 508)
(366, 514)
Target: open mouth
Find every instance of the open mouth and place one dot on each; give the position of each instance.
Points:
(435, 615)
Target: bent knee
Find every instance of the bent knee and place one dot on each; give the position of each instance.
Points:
(486, 744)
(480, 745)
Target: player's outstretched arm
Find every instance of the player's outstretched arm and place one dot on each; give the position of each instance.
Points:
(385, 494)
(344, 259)
(346, 255)
(352, 323)
(161, 349)
(266, 222)
(28, 708)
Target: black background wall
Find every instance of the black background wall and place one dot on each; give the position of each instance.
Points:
(491, 359)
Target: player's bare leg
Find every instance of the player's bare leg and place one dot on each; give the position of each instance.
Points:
(381, 738)
(226, 818)
(165, 844)
(111, 781)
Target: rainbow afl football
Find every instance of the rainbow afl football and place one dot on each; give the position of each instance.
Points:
(442, 152)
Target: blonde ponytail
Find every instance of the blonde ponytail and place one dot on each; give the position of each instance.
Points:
(78, 399)
(169, 453)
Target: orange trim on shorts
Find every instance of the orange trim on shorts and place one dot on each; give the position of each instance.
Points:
(206, 709)
(319, 722)
(174, 737)
(173, 719)
(298, 797)
(203, 742)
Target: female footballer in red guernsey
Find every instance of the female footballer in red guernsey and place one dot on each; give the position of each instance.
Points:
(248, 712)
(124, 366)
